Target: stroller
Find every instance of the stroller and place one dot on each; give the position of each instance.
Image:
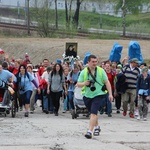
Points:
(7, 102)
(79, 105)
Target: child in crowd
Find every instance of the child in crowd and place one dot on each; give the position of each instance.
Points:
(143, 90)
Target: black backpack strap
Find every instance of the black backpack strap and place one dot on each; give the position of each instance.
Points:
(27, 74)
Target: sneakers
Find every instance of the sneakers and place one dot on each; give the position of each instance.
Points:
(21, 108)
(138, 118)
(31, 111)
(56, 113)
(101, 111)
(97, 131)
(26, 114)
(51, 112)
(64, 111)
(45, 111)
(35, 105)
(136, 112)
(118, 111)
(124, 113)
(131, 115)
(109, 115)
(88, 135)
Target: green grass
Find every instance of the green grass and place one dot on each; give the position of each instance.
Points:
(92, 20)
(135, 23)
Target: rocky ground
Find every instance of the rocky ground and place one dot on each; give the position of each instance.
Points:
(40, 48)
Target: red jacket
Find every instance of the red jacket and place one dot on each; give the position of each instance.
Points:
(43, 84)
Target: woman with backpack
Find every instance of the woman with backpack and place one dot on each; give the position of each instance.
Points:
(55, 86)
(24, 85)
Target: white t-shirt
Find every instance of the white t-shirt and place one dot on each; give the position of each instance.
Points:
(45, 76)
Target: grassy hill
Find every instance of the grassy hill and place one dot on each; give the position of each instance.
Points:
(135, 23)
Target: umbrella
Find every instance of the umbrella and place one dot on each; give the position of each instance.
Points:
(1, 51)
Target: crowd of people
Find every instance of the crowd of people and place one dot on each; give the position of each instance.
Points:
(126, 83)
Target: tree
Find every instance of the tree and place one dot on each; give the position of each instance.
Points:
(128, 6)
(76, 14)
(42, 17)
(56, 14)
(68, 12)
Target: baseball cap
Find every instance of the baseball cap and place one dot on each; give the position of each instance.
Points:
(135, 60)
(144, 69)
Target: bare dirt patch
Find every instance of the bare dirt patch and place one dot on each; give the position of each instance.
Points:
(40, 48)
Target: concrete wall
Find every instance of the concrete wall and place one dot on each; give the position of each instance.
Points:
(104, 8)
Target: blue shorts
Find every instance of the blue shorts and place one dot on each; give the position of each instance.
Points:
(93, 104)
(26, 97)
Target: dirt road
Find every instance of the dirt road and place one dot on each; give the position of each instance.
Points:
(40, 48)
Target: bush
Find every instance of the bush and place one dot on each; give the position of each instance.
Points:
(140, 27)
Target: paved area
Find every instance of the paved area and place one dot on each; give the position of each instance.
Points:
(48, 132)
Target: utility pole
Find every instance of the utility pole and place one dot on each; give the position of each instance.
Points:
(28, 17)
(101, 21)
(100, 8)
(18, 5)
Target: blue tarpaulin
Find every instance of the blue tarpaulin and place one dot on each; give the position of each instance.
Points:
(134, 51)
(85, 60)
(115, 54)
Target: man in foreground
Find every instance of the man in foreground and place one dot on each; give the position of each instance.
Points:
(93, 80)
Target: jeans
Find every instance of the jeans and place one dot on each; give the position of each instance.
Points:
(66, 103)
(45, 102)
(108, 106)
(70, 96)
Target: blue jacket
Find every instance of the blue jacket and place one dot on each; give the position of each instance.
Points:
(143, 84)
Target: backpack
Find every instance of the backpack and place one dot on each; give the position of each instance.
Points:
(121, 84)
(19, 79)
(59, 74)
